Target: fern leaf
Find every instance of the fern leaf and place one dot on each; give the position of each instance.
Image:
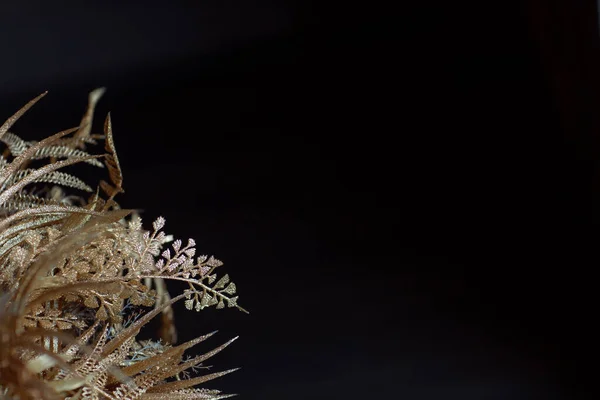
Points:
(15, 144)
(6, 194)
(24, 157)
(22, 201)
(64, 152)
(54, 177)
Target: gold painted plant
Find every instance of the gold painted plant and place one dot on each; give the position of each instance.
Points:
(79, 278)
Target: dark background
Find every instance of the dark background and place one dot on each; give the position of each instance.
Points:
(406, 200)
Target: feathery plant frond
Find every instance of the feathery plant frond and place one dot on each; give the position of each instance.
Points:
(77, 276)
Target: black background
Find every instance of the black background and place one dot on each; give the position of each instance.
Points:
(403, 201)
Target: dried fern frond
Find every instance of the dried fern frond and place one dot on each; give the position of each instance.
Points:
(77, 276)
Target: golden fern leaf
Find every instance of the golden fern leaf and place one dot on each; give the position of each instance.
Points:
(15, 144)
(55, 177)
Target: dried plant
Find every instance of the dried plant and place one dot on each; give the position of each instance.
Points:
(79, 278)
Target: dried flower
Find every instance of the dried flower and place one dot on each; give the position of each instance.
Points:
(76, 272)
